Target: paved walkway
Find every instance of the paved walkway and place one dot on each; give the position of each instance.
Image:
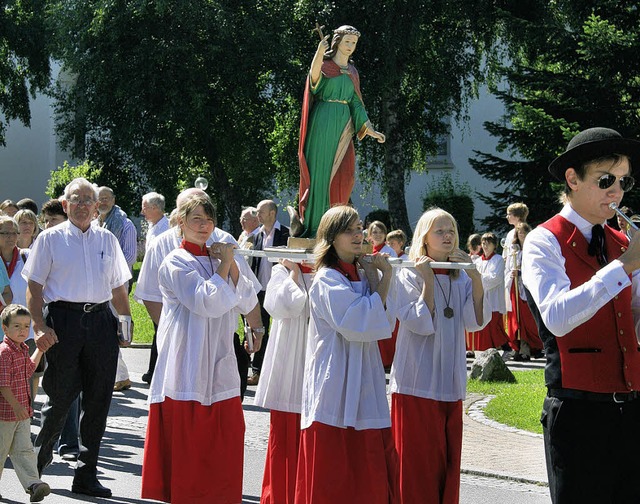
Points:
(491, 449)
(487, 449)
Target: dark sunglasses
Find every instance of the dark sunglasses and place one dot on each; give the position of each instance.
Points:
(607, 180)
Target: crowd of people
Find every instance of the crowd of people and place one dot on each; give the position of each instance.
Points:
(318, 337)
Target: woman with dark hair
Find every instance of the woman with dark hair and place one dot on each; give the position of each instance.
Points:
(346, 448)
(332, 113)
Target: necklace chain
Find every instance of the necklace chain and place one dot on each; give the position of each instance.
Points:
(448, 311)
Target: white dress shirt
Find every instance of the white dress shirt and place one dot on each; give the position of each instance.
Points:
(344, 380)
(156, 230)
(75, 266)
(196, 358)
(264, 272)
(562, 308)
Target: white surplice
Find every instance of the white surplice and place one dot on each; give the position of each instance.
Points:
(196, 359)
(282, 375)
(430, 359)
(344, 381)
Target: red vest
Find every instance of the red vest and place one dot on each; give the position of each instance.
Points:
(602, 354)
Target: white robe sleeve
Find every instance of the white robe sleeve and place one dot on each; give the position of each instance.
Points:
(356, 316)
(410, 309)
(284, 298)
(211, 297)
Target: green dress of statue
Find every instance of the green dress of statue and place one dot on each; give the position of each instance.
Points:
(333, 111)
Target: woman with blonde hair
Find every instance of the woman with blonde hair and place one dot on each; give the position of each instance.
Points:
(346, 449)
(28, 225)
(429, 372)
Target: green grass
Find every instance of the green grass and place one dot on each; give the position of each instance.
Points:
(143, 327)
(516, 404)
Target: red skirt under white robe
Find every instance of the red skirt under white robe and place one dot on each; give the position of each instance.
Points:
(346, 466)
(526, 324)
(194, 454)
(387, 347)
(281, 465)
(492, 335)
(428, 439)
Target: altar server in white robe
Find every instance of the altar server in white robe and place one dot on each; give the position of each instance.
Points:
(429, 373)
(346, 447)
(195, 436)
(280, 386)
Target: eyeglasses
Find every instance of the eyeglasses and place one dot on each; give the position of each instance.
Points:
(608, 179)
(8, 233)
(85, 202)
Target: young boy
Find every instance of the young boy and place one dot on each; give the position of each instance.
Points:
(397, 239)
(16, 369)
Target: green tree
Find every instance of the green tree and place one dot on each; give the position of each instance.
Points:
(571, 65)
(61, 177)
(450, 194)
(24, 59)
(159, 92)
(419, 63)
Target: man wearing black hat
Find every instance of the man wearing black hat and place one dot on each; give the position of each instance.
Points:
(584, 288)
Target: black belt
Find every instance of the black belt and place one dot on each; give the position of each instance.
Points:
(583, 395)
(83, 307)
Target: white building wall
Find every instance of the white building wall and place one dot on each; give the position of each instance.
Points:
(465, 138)
(30, 154)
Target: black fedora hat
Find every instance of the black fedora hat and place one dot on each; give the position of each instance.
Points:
(591, 144)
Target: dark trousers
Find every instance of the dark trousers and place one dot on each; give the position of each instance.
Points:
(153, 358)
(258, 357)
(84, 360)
(592, 451)
(243, 359)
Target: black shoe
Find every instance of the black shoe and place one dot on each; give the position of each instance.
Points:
(147, 378)
(471, 355)
(94, 489)
(518, 357)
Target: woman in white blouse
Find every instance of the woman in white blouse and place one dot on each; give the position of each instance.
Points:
(429, 373)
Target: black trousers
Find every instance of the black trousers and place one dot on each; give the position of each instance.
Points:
(153, 357)
(84, 360)
(258, 357)
(592, 451)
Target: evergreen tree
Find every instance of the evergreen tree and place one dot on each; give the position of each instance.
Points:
(570, 66)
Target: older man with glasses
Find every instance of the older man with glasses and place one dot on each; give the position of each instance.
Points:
(77, 269)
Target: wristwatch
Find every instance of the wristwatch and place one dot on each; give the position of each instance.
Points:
(259, 330)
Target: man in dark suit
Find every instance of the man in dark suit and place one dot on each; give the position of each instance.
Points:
(272, 234)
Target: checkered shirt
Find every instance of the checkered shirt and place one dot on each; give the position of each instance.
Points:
(16, 370)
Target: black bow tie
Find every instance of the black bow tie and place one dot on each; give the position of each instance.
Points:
(596, 247)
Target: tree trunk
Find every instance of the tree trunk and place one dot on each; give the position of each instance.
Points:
(225, 195)
(394, 170)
